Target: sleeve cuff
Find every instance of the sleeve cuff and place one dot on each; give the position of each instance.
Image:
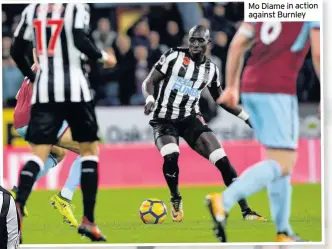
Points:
(104, 56)
(243, 115)
(159, 70)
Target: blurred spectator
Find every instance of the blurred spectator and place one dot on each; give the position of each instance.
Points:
(124, 72)
(156, 50)
(173, 36)
(156, 18)
(190, 14)
(185, 41)
(16, 21)
(123, 43)
(207, 8)
(141, 72)
(219, 21)
(220, 50)
(141, 32)
(205, 23)
(6, 43)
(172, 14)
(104, 36)
(160, 16)
(221, 40)
(5, 27)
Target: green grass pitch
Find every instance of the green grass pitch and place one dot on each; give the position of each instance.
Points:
(117, 216)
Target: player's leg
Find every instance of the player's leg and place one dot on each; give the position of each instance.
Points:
(56, 155)
(280, 191)
(53, 159)
(83, 123)
(42, 133)
(62, 200)
(66, 140)
(201, 138)
(274, 132)
(169, 150)
(281, 141)
(62, 203)
(167, 141)
(74, 177)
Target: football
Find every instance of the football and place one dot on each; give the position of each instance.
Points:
(153, 211)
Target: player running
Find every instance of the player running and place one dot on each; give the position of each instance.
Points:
(61, 92)
(62, 200)
(269, 95)
(179, 77)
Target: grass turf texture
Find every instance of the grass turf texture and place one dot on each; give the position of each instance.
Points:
(117, 216)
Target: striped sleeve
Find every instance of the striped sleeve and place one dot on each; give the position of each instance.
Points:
(13, 228)
(163, 64)
(8, 214)
(216, 78)
(24, 28)
(82, 17)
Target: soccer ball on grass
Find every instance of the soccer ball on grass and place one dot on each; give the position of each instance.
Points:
(153, 211)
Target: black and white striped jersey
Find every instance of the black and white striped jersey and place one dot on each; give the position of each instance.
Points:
(51, 27)
(180, 90)
(9, 221)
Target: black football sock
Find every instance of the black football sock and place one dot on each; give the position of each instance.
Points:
(171, 173)
(229, 175)
(28, 177)
(89, 186)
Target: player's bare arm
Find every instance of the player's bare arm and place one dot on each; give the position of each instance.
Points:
(216, 92)
(239, 45)
(315, 49)
(148, 86)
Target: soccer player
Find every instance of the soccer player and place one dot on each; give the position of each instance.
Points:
(179, 78)
(62, 200)
(269, 95)
(61, 92)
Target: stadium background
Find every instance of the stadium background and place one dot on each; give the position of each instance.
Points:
(139, 34)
